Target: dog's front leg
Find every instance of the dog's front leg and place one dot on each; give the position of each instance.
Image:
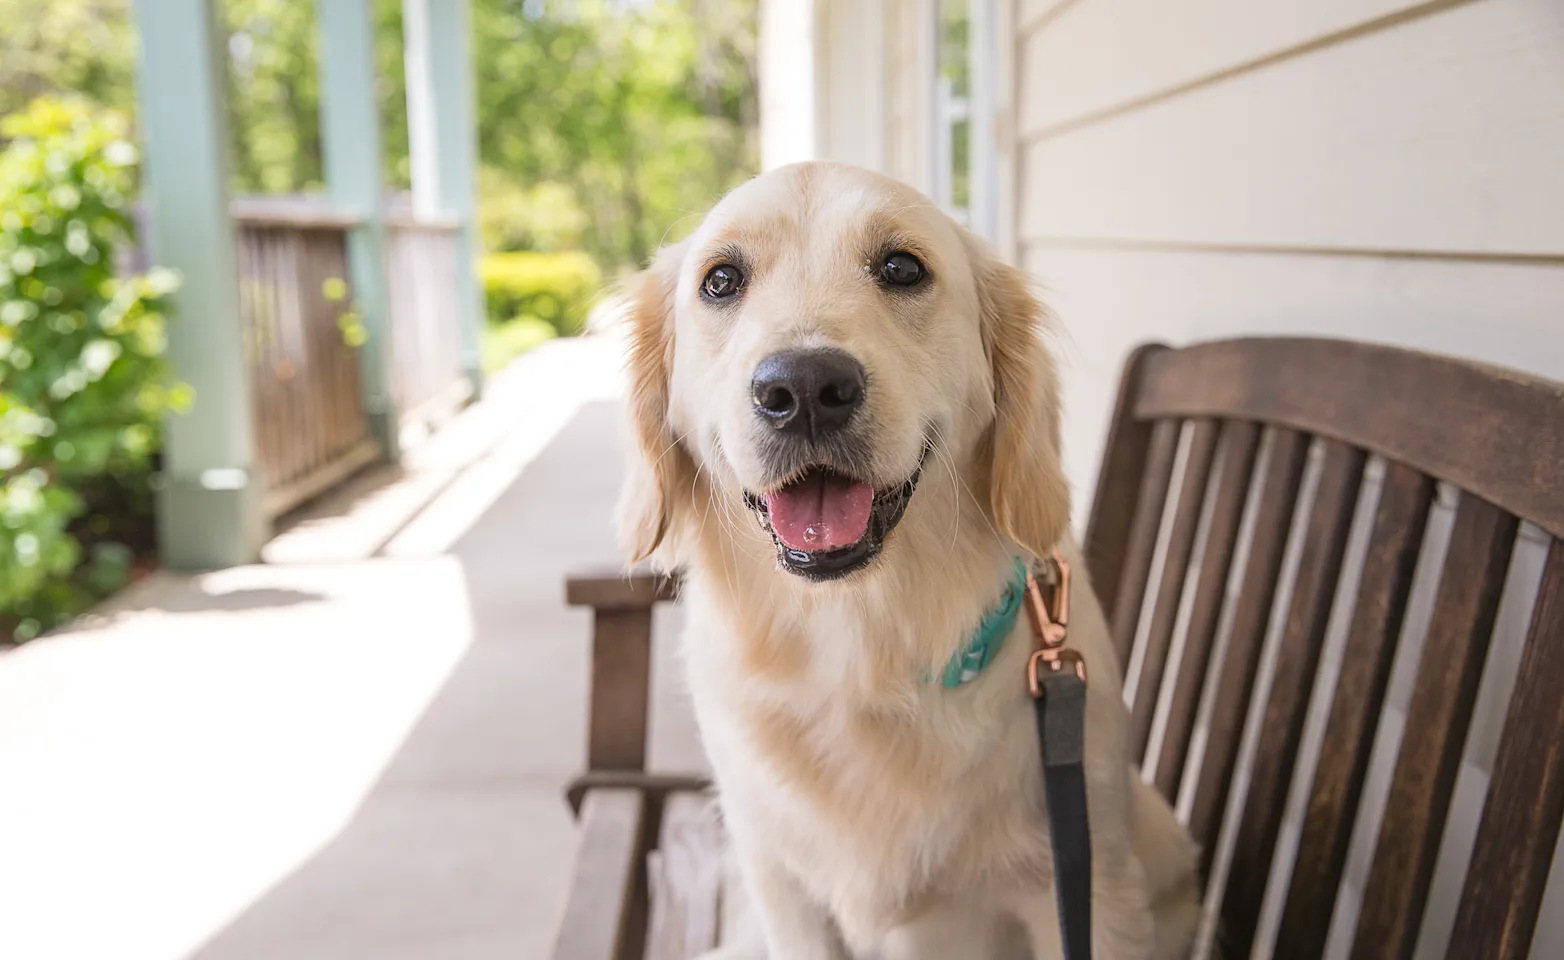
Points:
(784, 922)
(1122, 924)
(950, 930)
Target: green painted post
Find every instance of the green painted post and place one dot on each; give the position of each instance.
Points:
(350, 144)
(209, 508)
(442, 141)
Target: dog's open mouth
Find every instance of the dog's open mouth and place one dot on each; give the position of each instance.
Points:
(826, 524)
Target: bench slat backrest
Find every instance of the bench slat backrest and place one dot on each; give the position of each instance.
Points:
(1235, 475)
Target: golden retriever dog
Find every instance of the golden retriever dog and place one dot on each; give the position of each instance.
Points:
(846, 430)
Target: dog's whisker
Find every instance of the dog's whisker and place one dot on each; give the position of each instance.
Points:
(687, 215)
(942, 450)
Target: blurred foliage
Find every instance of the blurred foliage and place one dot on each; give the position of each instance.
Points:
(544, 216)
(955, 67)
(646, 111)
(556, 288)
(273, 95)
(85, 47)
(602, 124)
(82, 383)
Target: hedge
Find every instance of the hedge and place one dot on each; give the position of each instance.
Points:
(83, 387)
(557, 288)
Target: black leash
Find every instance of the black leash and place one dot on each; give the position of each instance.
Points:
(1056, 676)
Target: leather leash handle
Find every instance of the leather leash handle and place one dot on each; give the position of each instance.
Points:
(1061, 730)
(1056, 675)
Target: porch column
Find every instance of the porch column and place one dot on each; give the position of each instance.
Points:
(209, 508)
(350, 145)
(789, 56)
(442, 136)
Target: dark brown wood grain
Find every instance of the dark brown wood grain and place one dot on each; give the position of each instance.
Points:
(1118, 483)
(1292, 684)
(621, 682)
(1251, 612)
(308, 417)
(1440, 711)
(1170, 585)
(656, 786)
(605, 904)
(1240, 444)
(614, 588)
(1496, 433)
(1143, 538)
(1513, 854)
(1384, 585)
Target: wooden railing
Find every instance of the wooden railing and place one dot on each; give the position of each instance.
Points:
(296, 307)
(427, 381)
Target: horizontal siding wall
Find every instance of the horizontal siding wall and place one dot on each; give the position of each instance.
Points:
(1319, 167)
(1374, 169)
(1429, 136)
(1142, 50)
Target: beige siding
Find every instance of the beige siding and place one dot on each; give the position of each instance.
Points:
(1140, 49)
(1374, 169)
(1426, 151)
(1432, 136)
(1030, 14)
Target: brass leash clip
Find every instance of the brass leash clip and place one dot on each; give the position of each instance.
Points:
(1050, 616)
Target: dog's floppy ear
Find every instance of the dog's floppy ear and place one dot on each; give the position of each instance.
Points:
(1028, 494)
(659, 470)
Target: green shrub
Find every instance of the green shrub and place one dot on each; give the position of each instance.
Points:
(83, 386)
(504, 342)
(557, 288)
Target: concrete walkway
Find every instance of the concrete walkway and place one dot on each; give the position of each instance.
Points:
(354, 751)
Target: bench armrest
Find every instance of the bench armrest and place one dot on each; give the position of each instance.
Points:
(621, 660)
(618, 589)
(606, 905)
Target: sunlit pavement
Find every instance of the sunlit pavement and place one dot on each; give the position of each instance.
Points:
(356, 750)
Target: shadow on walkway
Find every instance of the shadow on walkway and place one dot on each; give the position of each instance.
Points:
(462, 848)
(254, 598)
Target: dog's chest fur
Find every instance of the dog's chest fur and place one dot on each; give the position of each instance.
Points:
(878, 789)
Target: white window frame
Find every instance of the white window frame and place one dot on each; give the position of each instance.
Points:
(980, 108)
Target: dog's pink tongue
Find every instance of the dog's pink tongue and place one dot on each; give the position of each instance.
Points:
(821, 512)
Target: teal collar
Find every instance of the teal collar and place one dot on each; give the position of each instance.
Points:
(989, 635)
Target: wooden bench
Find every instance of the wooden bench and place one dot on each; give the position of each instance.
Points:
(1237, 475)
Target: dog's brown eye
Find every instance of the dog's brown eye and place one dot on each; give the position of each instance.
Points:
(722, 281)
(901, 270)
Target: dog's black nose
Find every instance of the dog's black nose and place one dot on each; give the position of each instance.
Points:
(807, 392)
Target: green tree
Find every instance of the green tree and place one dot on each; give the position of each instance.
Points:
(646, 111)
(274, 94)
(601, 123)
(85, 47)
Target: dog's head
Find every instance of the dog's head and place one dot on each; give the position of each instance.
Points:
(825, 345)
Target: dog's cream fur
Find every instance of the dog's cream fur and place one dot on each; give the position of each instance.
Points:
(871, 813)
